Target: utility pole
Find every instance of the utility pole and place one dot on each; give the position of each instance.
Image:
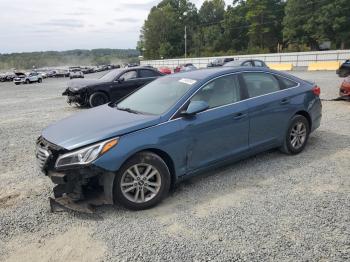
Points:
(185, 42)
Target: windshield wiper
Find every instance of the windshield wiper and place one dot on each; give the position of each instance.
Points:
(129, 110)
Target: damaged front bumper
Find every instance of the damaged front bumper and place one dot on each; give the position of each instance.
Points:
(81, 189)
(76, 188)
(79, 98)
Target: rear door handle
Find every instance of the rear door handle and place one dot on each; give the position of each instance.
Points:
(285, 101)
(239, 116)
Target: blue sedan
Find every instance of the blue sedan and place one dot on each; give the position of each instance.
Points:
(133, 151)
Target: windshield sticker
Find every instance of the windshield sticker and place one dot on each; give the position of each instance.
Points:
(187, 81)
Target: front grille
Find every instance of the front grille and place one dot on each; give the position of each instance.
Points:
(42, 155)
(46, 153)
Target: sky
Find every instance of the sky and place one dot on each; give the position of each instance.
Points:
(41, 25)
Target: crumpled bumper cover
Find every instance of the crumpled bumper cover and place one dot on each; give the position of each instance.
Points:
(79, 97)
(81, 189)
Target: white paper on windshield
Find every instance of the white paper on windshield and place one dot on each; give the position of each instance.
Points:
(187, 81)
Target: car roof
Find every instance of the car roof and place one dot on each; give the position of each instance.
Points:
(214, 71)
(209, 73)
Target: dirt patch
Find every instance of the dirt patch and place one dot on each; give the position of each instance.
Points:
(8, 200)
(74, 245)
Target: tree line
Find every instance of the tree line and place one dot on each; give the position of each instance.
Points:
(63, 58)
(245, 26)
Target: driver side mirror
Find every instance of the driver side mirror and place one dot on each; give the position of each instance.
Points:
(195, 107)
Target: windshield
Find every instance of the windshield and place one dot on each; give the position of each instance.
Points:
(233, 63)
(110, 76)
(157, 97)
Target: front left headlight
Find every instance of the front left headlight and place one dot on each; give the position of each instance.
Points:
(86, 155)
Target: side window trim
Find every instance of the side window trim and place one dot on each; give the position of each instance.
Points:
(185, 104)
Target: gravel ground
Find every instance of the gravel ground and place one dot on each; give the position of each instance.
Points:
(268, 207)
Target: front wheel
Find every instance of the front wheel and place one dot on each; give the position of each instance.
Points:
(27, 81)
(97, 99)
(297, 135)
(40, 80)
(142, 182)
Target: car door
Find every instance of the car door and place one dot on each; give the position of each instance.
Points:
(269, 109)
(33, 77)
(222, 130)
(125, 84)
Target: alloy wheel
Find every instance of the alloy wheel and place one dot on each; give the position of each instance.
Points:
(140, 183)
(298, 135)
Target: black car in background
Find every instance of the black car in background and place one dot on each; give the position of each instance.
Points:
(344, 69)
(220, 62)
(246, 62)
(113, 86)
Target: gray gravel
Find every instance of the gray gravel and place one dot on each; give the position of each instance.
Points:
(268, 207)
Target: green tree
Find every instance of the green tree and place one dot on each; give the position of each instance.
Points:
(333, 23)
(300, 23)
(163, 31)
(265, 23)
(208, 37)
(235, 37)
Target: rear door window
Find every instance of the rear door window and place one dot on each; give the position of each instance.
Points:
(259, 83)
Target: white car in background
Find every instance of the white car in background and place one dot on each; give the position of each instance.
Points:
(22, 78)
(75, 72)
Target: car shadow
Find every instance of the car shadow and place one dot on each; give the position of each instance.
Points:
(232, 183)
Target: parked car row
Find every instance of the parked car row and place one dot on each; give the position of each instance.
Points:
(226, 62)
(7, 77)
(158, 130)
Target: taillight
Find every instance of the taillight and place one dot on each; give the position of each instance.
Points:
(316, 90)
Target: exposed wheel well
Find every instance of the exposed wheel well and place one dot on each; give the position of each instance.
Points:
(306, 115)
(100, 91)
(168, 161)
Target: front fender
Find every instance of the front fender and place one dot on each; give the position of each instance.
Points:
(165, 137)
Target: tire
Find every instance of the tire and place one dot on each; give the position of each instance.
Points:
(40, 80)
(297, 135)
(147, 163)
(27, 81)
(97, 99)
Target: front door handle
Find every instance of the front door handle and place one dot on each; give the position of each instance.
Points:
(285, 101)
(239, 116)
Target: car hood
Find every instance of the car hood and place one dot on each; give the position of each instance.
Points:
(78, 84)
(96, 124)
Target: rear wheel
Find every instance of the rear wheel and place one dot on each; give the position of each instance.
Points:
(142, 182)
(97, 99)
(297, 135)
